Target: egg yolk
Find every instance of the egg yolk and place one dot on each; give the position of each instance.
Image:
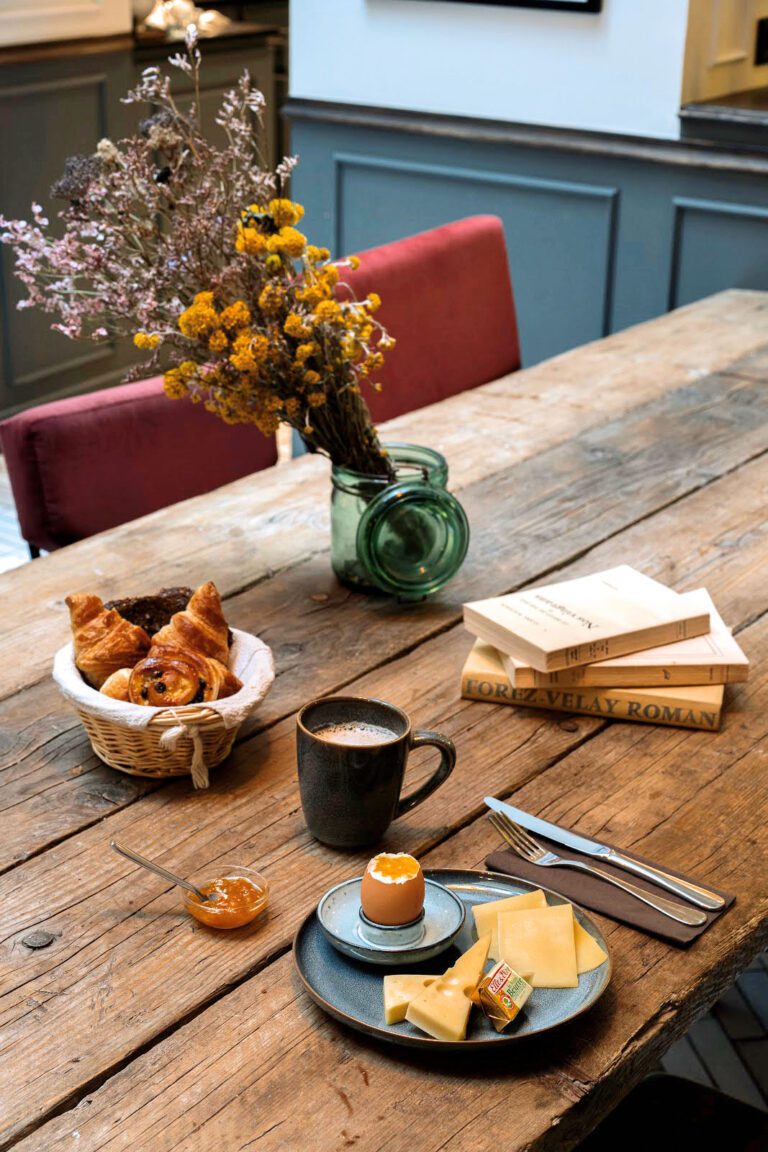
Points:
(238, 902)
(394, 866)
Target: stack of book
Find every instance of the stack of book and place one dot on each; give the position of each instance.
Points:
(615, 644)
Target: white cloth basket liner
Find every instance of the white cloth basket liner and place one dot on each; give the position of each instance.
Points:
(249, 658)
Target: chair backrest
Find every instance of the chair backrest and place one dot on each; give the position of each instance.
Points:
(87, 463)
(447, 299)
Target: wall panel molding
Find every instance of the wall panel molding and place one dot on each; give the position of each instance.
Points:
(727, 212)
(91, 90)
(607, 196)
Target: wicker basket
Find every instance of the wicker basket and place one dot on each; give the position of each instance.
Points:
(164, 742)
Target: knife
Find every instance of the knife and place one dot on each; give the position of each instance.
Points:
(701, 896)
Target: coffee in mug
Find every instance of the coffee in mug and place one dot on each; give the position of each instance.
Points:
(352, 754)
(355, 733)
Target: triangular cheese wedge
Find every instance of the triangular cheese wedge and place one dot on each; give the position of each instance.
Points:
(486, 915)
(589, 954)
(442, 1010)
(541, 941)
(469, 966)
(398, 993)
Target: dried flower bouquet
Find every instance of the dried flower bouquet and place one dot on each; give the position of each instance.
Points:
(193, 251)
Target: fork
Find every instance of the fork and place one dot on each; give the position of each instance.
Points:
(521, 842)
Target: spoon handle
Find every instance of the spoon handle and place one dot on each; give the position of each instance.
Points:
(160, 871)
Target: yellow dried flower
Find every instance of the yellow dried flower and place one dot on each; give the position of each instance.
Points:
(218, 342)
(316, 399)
(312, 294)
(146, 340)
(287, 240)
(174, 384)
(292, 407)
(250, 241)
(312, 377)
(329, 275)
(294, 326)
(351, 348)
(273, 263)
(271, 298)
(200, 319)
(285, 212)
(373, 301)
(354, 262)
(314, 254)
(328, 311)
(248, 351)
(237, 315)
(268, 423)
(305, 351)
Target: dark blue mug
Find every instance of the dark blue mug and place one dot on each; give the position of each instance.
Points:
(352, 754)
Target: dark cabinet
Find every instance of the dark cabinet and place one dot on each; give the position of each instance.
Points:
(51, 109)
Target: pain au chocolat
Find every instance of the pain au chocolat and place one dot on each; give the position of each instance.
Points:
(170, 677)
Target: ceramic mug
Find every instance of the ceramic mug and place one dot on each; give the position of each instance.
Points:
(352, 754)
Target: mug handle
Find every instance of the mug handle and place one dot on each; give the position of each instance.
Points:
(443, 771)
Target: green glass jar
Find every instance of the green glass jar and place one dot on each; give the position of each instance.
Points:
(406, 536)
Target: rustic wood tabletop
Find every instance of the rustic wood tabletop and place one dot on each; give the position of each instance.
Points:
(135, 1028)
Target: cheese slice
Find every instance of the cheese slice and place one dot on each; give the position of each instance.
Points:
(541, 941)
(486, 915)
(589, 954)
(470, 965)
(442, 1010)
(398, 993)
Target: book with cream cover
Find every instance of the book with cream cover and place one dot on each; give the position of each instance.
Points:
(714, 658)
(585, 620)
(483, 678)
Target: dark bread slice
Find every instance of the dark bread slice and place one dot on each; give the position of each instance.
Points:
(152, 612)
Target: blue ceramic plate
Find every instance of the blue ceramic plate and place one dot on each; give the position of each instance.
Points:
(339, 920)
(351, 990)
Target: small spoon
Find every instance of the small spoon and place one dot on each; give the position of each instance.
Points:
(152, 867)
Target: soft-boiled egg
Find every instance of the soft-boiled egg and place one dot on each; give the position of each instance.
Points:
(392, 890)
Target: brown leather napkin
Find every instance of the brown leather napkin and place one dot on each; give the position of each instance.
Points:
(592, 892)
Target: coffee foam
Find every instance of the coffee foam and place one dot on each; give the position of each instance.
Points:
(355, 733)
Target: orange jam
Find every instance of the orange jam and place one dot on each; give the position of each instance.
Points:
(239, 901)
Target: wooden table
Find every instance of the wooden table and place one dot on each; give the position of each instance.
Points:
(136, 1030)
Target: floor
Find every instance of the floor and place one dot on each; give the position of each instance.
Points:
(726, 1049)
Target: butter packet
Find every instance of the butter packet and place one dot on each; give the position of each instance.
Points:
(501, 994)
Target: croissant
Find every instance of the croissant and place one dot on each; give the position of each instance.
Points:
(103, 641)
(116, 685)
(170, 677)
(201, 626)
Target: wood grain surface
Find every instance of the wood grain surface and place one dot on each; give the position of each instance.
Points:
(136, 1028)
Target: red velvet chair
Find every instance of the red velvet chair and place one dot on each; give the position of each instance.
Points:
(82, 465)
(447, 299)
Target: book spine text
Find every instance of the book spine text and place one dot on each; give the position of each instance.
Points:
(592, 703)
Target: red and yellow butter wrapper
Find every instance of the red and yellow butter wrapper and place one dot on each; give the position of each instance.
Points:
(501, 994)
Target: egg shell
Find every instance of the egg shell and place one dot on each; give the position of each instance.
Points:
(390, 901)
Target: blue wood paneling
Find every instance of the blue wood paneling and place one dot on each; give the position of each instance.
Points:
(717, 245)
(549, 224)
(596, 241)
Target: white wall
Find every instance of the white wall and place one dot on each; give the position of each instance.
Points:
(619, 71)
